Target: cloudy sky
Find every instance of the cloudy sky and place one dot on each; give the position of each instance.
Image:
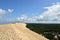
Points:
(29, 10)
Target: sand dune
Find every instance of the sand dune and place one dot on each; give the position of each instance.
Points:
(18, 31)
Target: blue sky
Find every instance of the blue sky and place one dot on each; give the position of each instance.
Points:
(16, 8)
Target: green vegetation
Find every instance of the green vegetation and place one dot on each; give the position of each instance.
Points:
(45, 29)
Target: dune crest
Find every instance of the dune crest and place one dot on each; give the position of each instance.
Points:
(18, 31)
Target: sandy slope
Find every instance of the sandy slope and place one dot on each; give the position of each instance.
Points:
(18, 31)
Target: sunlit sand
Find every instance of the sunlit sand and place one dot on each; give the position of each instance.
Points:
(18, 31)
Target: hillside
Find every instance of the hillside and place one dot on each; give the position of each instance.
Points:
(48, 30)
(18, 31)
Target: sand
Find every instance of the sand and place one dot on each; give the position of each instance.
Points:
(18, 31)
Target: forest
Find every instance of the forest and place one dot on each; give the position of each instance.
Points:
(45, 29)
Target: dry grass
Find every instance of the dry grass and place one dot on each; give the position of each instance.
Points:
(18, 31)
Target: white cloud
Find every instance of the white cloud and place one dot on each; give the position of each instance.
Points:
(10, 10)
(3, 15)
(51, 14)
(2, 11)
(22, 18)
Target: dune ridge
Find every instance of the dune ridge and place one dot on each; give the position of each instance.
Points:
(18, 31)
